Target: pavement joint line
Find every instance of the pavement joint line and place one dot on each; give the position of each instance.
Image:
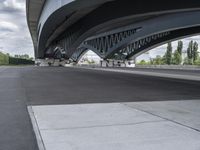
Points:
(100, 126)
(153, 74)
(197, 130)
(38, 136)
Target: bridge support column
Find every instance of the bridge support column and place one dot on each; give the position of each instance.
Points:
(130, 64)
(51, 62)
(104, 63)
(117, 63)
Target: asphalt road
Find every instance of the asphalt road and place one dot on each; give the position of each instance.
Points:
(168, 71)
(22, 86)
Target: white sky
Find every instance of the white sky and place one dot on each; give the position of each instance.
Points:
(15, 37)
(14, 33)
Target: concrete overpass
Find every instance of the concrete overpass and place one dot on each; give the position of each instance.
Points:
(113, 29)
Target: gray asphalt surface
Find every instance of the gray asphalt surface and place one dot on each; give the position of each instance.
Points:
(168, 71)
(22, 86)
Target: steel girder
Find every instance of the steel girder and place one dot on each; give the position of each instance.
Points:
(79, 53)
(143, 45)
(108, 43)
(131, 40)
(60, 25)
(137, 46)
(146, 44)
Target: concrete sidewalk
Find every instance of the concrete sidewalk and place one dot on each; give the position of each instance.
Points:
(166, 125)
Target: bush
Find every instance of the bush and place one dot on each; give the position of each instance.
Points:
(4, 59)
(197, 62)
(143, 62)
(20, 61)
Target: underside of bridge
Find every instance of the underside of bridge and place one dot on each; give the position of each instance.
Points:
(113, 29)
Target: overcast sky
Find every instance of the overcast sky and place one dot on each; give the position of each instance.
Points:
(15, 37)
(14, 34)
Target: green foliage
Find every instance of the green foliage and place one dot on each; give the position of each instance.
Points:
(20, 61)
(192, 54)
(90, 61)
(180, 47)
(168, 54)
(187, 61)
(177, 58)
(158, 60)
(190, 50)
(195, 52)
(4, 59)
(25, 56)
(197, 62)
(143, 62)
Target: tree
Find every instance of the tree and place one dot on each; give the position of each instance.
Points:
(177, 58)
(142, 62)
(198, 61)
(158, 60)
(25, 56)
(192, 53)
(180, 47)
(4, 59)
(168, 54)
(16, 56)
(195, 52)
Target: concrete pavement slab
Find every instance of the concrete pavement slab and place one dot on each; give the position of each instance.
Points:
(88, 115)
(183, 112)
(110, 126)
(147, 136)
